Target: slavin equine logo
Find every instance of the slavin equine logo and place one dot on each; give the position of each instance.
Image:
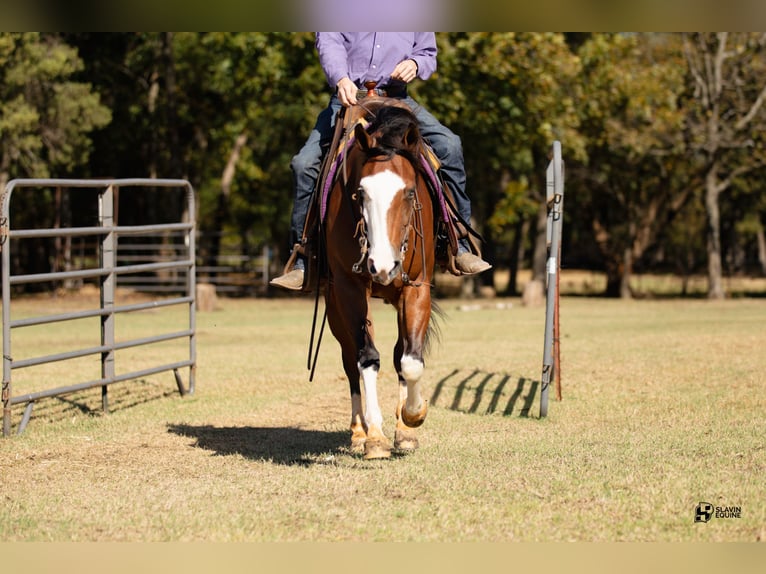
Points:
(705, 511)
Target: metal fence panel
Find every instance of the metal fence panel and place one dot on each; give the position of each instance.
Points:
(106, 271)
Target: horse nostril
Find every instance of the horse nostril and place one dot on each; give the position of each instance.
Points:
(371, 266)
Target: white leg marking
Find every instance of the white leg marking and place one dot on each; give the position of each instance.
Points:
(356, 409)
(372, 414)
(412, 371)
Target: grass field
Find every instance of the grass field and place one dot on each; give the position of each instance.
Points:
(663, 408)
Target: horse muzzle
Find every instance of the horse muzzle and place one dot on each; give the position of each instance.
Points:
(385, 275)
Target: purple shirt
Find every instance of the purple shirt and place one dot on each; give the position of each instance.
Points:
(365, 56)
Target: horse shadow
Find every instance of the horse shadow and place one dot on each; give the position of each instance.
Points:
(279, 445)
(480, 392)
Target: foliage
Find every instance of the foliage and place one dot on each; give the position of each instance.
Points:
(725, 123)
(508, 96)
(643, 130)
(266, 87)
(46, 116)
(632, 120)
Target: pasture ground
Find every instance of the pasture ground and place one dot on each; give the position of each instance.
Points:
(663, 408)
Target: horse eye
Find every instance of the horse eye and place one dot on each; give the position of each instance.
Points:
(409, 193)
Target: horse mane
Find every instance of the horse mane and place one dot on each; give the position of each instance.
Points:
(392, 127)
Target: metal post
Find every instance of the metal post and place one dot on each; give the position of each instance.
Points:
(6, 283)
(191, 286)
(555, 201)
(108, 261)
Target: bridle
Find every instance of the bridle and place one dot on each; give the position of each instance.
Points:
(414, 224)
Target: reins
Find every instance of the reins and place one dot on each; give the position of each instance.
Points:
(417, 215)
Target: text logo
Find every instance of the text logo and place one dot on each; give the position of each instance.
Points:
(705, 511)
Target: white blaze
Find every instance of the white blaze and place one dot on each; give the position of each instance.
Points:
(379, 191)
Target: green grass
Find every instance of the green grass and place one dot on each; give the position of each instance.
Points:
(663, 407)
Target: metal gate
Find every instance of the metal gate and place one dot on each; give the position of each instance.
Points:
(106, 271)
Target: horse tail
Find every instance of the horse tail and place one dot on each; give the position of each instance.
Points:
(434, 332)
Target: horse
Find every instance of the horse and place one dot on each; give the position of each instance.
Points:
(379, 242)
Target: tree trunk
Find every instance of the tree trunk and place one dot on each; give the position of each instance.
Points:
(627, 270)
(176, 167)
(714, 267)
(614, 278)
(517, 255)
(761, 237)
(222, 211)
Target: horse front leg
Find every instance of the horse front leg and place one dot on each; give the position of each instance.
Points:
(412, 408)
(352, 327)
(358, 425)
(376, 445)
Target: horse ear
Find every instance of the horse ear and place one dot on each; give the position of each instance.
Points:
(362, 137)
(411, 138)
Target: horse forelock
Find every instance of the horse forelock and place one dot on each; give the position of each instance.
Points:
(395, 130)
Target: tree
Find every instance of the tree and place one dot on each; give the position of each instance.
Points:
(509, 96)
(251, 99)
(631, 186)
(46, 116)
(725, 123)
(224, 110)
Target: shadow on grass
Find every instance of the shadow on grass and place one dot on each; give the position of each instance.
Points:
(485, 393)
(280, 445)
(89, 403)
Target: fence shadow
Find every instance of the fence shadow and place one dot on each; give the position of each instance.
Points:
(121, 397)
(279, 445)
(485, 393)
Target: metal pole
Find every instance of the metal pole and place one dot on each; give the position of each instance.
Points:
(556, 324)
(191, 286)
(108, 260)
(554, 197)
(5, 226)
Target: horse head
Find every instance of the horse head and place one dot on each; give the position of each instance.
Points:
(388, 188)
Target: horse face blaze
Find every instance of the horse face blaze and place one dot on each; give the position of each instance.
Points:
(379, 192)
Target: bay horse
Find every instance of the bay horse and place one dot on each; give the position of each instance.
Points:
(379, 238)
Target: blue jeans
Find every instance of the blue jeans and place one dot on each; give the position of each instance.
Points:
(307, 162)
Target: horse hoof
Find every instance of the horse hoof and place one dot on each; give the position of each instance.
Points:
(405, 440)
(375, 449)
(357, 445)
(416, 419)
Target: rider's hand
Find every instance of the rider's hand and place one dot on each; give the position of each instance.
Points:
(406, 71)
(347, 92)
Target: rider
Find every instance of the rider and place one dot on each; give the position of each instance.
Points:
(392, 59)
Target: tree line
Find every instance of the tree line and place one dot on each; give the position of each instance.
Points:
(662, 135)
